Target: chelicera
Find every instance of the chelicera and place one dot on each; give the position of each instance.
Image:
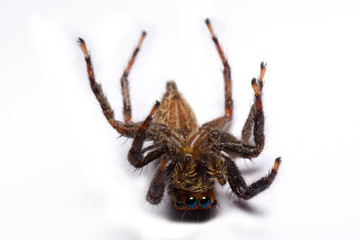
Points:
(192, 158)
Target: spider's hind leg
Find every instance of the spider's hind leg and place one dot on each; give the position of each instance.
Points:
(128, 130)
(125, 84)
(223, 122)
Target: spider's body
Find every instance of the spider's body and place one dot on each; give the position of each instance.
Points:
(192, 158)
(175, 113)
(192, 175)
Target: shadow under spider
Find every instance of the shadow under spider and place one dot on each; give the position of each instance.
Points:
(198, 216)
(247, 207)
(249, 168)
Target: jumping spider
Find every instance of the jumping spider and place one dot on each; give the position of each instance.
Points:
(192, 158)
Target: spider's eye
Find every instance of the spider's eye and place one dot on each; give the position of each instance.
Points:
(191, 202)
(179, 204)
(205, 202)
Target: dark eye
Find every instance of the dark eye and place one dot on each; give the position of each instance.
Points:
(191, 202)
(205, 202)
(179, 204)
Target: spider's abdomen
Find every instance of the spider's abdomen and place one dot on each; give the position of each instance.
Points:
(175, 112)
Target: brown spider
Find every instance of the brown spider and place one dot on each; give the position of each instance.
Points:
(192, 158)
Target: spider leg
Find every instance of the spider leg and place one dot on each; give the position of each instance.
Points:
(157, 186)
(238, 184)
(136, 156)
(249, 124)
(222, 122)
(128, 130)
(259, 119)
(125, 84)
(236, 148)
(255, 124)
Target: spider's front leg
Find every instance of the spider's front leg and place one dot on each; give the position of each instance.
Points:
(158, 184)
(238, 184)
(136, 155)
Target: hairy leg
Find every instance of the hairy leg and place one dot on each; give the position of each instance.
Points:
(136, 155)
(255, 123)
(158, 184)
(222, 122)
(128, 130)
(249, 124)
(125, 84)
(248, 127)
(238, 184)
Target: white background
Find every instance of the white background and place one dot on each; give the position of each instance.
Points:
(63, 169)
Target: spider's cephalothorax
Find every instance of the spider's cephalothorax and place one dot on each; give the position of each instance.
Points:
(192, 158)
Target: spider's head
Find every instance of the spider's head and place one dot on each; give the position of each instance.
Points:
(191, 186)
(186, 200)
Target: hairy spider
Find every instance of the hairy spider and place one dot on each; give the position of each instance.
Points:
(192, 158)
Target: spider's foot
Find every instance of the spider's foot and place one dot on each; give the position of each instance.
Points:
(262, 73)
(277, 164)
(83, 47)
(80, 40)
(273, 172)
(255, 86)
